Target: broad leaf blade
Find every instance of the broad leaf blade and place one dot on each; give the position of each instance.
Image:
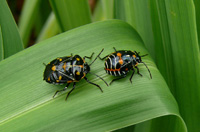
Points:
(11, 39)
(71, 13)
(28, 99)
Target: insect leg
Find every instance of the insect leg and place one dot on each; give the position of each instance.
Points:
(114, 49)
(103, 57)
(117, 79)
(132, 75)
(70, 91)
(96, 57)
(88, 57)
(61, 90)
(93, 84)
(99, 77)
(138, 72)
(107, 55)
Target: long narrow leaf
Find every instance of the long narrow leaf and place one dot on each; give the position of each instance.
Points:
(175, 27)
(42, 15)
(137, 14)
(11, 39)
(103, 10)
(197, 12)
(71, 13)
(27, 103)
(1, 46)
(27, 19)
(47, 30)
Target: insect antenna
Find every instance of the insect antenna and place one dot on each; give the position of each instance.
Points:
(99, 77)
(147, 69)
(96, 57)
(143, 55)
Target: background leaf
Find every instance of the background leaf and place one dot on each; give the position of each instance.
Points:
(104, 10)
(87, 109)
(11, 39)
(137, 14)
(47, 30)
(71, 14)
(181, 52)
(172, 25)
(27, 19)
(197, 12)
(43, 12)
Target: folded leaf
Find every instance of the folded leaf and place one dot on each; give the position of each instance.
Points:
(27, 103)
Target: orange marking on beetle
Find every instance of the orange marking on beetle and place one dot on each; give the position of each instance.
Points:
(69, 81)
(121, 61)
(79, 66)
(83, 75)
(136, 64)
(126, 69)
(120, 58)
(119, 54)
(77, 73)
(112, 69)
(57, 81)
(60, 77)
(64, 66)
(134, 56)
(78, 59)
(48, 79)
(53, 68)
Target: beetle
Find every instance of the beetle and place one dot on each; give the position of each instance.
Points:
(119, 63)
(69, 69)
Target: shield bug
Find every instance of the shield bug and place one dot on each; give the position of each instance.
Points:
(121, 62)
(69, 69)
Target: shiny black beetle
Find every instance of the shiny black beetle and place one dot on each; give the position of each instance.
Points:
(67, 70)
(121, 62)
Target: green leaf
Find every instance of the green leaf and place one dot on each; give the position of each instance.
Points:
(103, 10)
(71, 13)
(197, 12)
(47, 30)
(176, 35)
(11, 39)
(137, 14)
(1, 46)
(27, 103)
(27, 19)
(42, 15)
(176, 51)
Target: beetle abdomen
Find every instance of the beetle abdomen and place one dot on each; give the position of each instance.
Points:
(117, 64)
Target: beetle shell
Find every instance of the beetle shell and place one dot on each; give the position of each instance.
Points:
(120, 63)
(72, 66)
